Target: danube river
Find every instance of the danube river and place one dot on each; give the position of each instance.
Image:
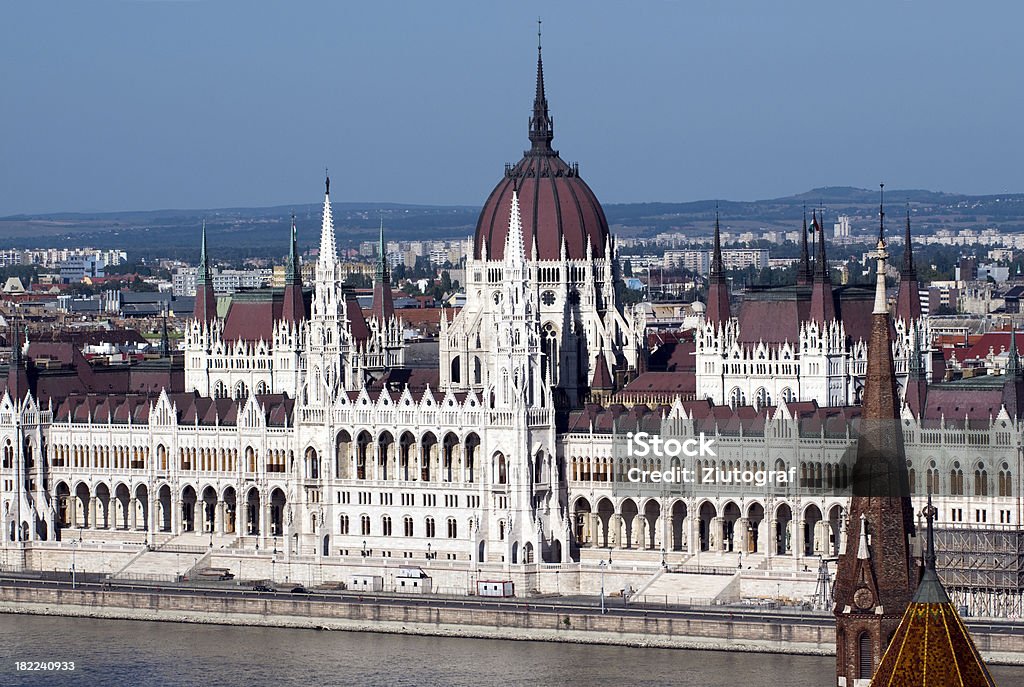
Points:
(149, 654)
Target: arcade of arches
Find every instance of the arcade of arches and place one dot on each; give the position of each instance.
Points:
(715, 525)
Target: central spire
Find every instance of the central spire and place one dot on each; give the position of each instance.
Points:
(542, 127)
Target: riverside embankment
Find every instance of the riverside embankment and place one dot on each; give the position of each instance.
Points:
(541, 620)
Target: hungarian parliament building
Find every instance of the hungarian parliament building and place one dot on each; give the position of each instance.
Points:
(290, 417)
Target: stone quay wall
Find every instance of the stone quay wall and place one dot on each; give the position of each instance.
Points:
(728, 631)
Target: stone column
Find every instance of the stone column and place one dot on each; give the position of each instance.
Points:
(614, 530)
(219, 517)
(739, 536)
(92, 511)
(132, 515)
(776, 541)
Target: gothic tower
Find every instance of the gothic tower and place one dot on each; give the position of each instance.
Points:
(875, 578)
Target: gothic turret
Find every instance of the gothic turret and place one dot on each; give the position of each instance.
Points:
(823, 308)
(718, 288)
(908, 298)
(875, 581)
(205, 309)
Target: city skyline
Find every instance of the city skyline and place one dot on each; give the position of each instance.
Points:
(146, 105)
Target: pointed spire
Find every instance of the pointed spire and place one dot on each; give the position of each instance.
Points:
(294, 306)
(328, 248)
(292, 273)
(515, 252)
(205, 309)
(863, 552)
(915, 369)
(803, 267)
(717, 264)
(1013, 367)
(165, 342)
(881, 306)
(381, 273)
(718, 310)
(930, 589)
(203, 273)
(383, 303)
(821, 271)
(908, 271)
(542, 129)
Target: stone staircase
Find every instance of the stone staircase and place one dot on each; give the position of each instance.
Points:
(687, 588)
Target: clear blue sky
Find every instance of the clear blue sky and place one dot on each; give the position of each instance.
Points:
(152, 104)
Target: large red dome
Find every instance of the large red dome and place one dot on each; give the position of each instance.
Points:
(554, 202)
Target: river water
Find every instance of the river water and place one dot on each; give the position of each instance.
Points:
(150, 654)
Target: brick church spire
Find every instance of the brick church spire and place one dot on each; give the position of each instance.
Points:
(875, 580)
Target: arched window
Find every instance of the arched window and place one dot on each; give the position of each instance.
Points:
(1005, 482)
(385, 524)
(241, 391)
(453, 528)
(762, 399)
(430, 528)
(956, 480)
(220, 390)
(408, 526)
(343, 525)
(364, 524)
(913, 477)
(456, 375)
(980, 480)
(737, 397)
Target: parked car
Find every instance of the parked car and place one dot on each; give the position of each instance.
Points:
(300, 590)
(262, 588)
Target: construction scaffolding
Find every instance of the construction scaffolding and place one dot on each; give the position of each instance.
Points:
(983, 570)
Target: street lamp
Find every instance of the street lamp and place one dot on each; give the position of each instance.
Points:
(364, 548)
(428, 551)
(601, 565)
(663, 564)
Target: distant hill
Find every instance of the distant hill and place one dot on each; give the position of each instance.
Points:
(263, 232)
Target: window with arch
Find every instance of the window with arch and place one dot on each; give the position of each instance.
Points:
(737, 397)
(453, 528)
(762, 399)
(956, 479)
(408, 525)
(241, 391)
(913, 477)
(430, 528)
(1005, 482)
(787, 395)
(364, 524)
(385, 525)
(220, 390)
(933, 478)
(343, 525)
(980, 480)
